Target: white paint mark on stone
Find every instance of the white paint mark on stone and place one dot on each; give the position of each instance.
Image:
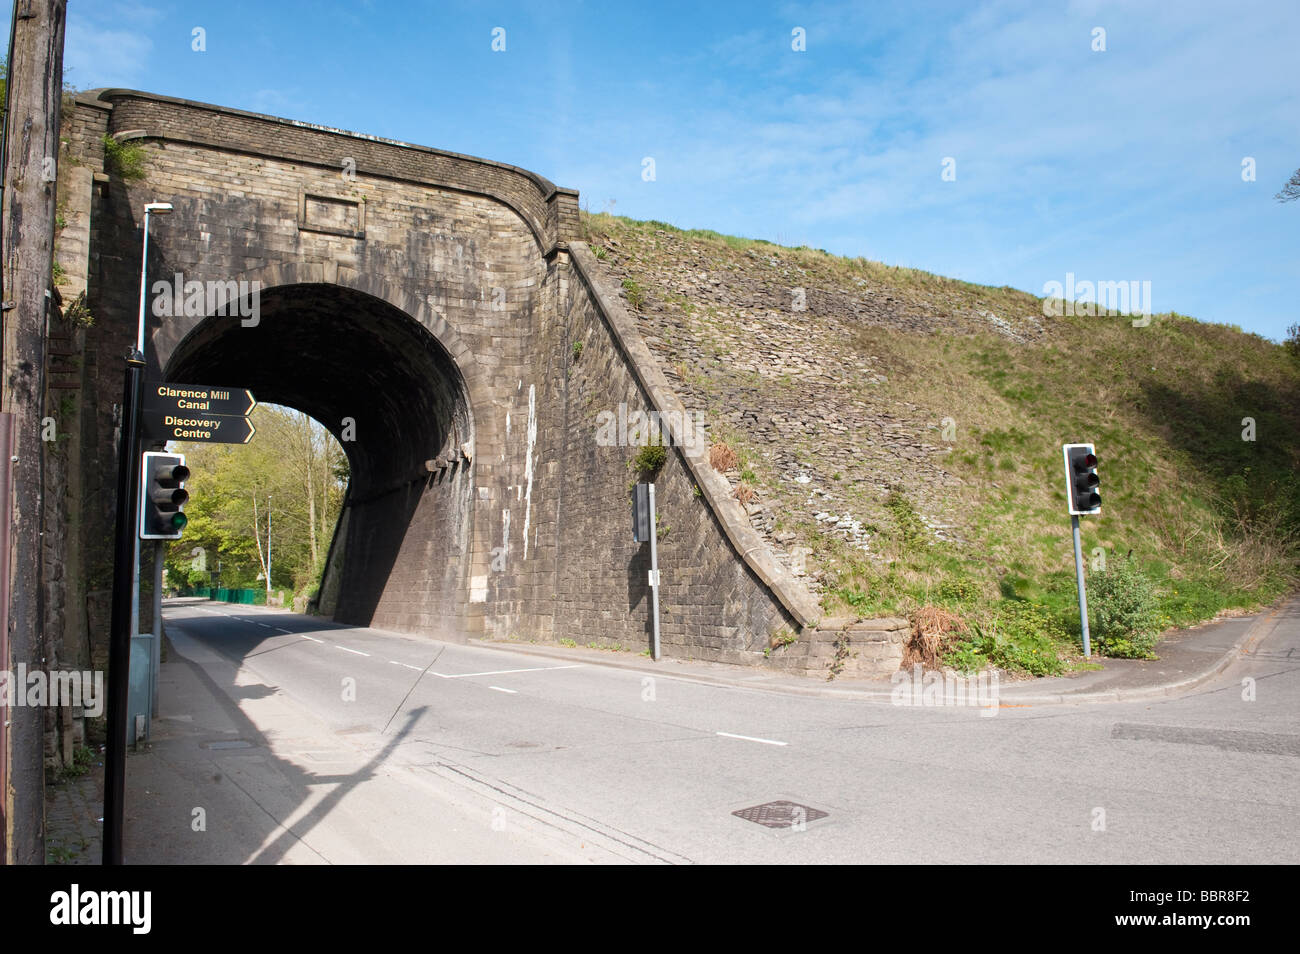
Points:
(478, 589)
(528, 462)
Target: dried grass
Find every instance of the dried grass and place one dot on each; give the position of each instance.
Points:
(934, 631)
(722, 458)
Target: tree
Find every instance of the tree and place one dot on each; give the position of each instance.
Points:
(290, 473)
(1291, 191)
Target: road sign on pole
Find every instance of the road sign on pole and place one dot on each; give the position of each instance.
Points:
(654, 573)
(198, 412)
(643, 529)
(193, 399)
(205, 428)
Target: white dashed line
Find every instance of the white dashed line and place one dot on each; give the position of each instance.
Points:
(394, 662)
(750, 738)
(289, 631)
(353, 651)
(499, 689)
(504, 672)
(312, 638)
(266, 625)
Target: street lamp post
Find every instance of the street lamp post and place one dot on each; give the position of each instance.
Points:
(126, 571)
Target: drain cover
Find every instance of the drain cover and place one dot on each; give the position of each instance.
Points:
(781, 814)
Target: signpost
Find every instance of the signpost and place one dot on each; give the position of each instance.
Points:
(643, 529)
(198, 412)
(193, 398)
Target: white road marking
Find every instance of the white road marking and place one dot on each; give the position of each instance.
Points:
(394, 662)
(266, 625)
(750, 738)
(354, 651)
(499, 689)
(289, 631)
(504, 672)
(312, 638)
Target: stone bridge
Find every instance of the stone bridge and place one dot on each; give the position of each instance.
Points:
(425, 307)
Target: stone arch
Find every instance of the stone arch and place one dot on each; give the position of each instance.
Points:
(170, 336)
(377, 366)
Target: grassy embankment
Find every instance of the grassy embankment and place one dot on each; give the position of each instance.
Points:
(1211, 519)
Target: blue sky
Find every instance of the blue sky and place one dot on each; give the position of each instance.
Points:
(1115, 165)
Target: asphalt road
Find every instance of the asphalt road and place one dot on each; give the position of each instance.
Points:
(478, 753)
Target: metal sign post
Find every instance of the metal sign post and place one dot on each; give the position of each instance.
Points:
(654, 574)
(643, 529)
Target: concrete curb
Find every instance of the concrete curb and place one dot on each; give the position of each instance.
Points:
(1167, 689)
(763, 681)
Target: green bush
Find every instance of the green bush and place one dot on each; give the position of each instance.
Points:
(1123, 610)
(649, 459)
(909, 528)
(1015, 636)
(959, 591)
(635, 296)
(126, 159)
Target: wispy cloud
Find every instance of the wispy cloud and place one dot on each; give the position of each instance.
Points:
(109, 44)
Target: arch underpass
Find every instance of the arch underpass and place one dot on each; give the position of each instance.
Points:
(392, 396)
(445, 310)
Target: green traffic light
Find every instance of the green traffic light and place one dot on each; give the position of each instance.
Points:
(179, 520)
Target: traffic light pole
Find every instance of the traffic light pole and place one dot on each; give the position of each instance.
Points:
(126, 569)
(119, 646)
(156, 663)
(1083, 595)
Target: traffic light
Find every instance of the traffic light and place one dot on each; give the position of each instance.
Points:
(162, 495)
(1082, 485)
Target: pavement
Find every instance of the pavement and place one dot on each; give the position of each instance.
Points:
(74, 811)
(287, 739)
(1187, 658)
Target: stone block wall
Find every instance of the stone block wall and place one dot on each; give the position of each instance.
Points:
(435, 299)
(845, 647)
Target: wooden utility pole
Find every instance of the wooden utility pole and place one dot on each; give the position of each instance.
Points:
(30, 170)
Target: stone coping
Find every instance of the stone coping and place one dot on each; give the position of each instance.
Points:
(748, 544)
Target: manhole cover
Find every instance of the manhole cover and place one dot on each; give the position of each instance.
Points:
(781, 814)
